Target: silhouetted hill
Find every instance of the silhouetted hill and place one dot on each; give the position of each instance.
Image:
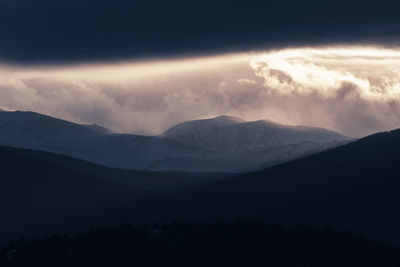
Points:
(38, 198)
(194, 244)
(355, 186)
(166, 182)
(43, 193)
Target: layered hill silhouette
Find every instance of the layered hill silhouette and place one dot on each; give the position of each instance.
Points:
(222, 144)
(42, 193)
(164, 182)
(38, 197)
(355, 186)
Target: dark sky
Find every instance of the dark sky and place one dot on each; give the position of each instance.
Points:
(39, 31)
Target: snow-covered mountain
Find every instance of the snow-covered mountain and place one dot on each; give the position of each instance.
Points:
(224, 143)
(251, 145)
(227, 133)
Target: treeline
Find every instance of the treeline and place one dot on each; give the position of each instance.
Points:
(197, 244)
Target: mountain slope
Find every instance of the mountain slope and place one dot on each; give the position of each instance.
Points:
(43, 193)
(222, 144)
(354, 186)
(93, 143)
(39, 197)
(242, 146)
(229, 133)
(160, 182)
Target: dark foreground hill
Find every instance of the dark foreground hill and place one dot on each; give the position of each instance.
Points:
(165, 182)
(355, 186)
(43, 193)
(39, 198)
(194, 244)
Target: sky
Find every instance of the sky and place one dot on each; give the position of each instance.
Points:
(143, 66)
(43, 31)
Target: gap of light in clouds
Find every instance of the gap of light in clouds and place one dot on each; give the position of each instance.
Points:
(353, 90)
(373, 71)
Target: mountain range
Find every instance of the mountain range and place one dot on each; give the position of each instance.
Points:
(353, 186)
(221, 144)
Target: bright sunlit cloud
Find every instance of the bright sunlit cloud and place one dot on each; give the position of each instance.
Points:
(373, 71)
(351, 89)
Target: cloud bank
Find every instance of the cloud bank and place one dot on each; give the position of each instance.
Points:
(353, 90)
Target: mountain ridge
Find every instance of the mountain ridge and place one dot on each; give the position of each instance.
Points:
(237, 134)
(221, 144)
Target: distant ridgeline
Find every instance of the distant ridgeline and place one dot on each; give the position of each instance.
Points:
(222, 144)
(195, 244)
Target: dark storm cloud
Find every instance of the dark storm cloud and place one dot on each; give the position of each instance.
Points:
(80, 30)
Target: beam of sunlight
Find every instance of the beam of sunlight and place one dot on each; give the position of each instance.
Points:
(351, 89)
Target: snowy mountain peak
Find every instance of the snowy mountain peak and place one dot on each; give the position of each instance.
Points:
(227, 133)
(226, 119)
(203, 125)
